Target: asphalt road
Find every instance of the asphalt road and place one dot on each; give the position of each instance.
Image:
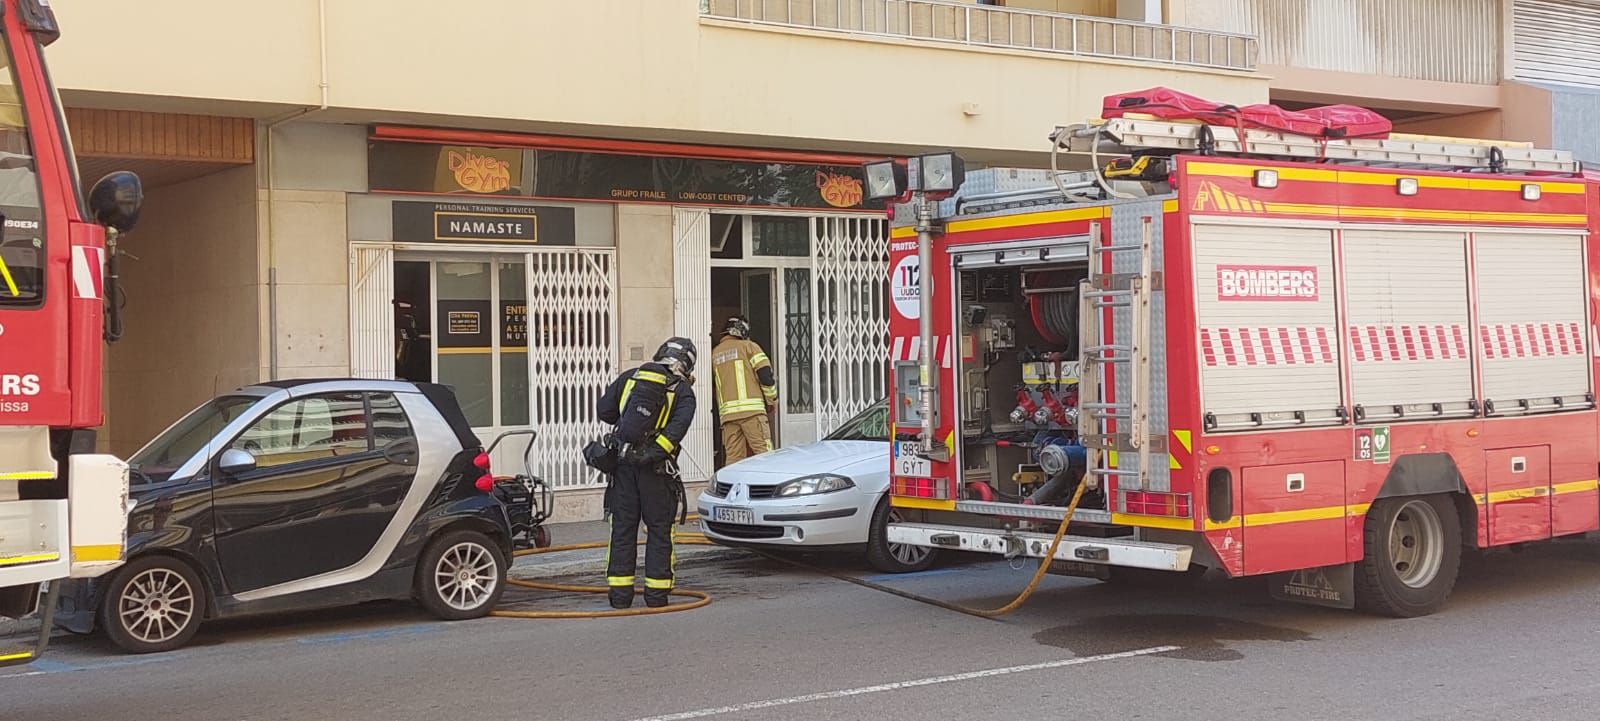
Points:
(1519, 640)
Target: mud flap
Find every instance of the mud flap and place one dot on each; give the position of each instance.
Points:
(1333, 586)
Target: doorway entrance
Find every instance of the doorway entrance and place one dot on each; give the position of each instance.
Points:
(824, 278)
(761, 269)
(526, 337)
(462, 321)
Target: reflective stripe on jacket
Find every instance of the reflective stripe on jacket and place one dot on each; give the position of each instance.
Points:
(742, 376)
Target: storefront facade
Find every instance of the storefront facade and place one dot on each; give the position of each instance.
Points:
(491, 262)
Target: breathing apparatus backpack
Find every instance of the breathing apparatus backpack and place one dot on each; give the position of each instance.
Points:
(644, 406)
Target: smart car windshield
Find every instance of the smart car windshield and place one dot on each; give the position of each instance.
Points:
(159, 459)
(871, 424)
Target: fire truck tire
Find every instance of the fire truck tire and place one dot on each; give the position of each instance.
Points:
(152, 605)
(891, 557)
(1412, 556)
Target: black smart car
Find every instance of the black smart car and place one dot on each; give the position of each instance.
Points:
(301, 494)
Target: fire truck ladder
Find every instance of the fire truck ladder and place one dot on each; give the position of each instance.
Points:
(1125, 135)
(1117, 424)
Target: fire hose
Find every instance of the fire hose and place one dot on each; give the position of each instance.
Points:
(701, 598)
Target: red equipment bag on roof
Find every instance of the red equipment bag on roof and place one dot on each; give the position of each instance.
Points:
(1169, 104)
(1350, 121)
(1329, 121)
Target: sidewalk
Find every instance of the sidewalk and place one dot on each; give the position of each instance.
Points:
(592, 560)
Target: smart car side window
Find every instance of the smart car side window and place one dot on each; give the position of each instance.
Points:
(389, 422)
(308, 429)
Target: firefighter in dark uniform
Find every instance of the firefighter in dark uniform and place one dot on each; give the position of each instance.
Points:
(651, 407)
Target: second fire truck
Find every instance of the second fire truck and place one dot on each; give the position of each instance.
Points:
(1339, 362)
(62, 506)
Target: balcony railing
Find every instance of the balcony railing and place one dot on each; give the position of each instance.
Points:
(1000, 27)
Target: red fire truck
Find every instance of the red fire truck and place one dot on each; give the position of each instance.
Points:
(1340, 362)
(62, 507)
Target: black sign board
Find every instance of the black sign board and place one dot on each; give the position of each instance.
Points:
(623, 177)
(462, 222)
(465, 324)
(514, 324)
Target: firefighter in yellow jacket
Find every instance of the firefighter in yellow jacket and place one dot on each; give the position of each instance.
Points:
(745, 390)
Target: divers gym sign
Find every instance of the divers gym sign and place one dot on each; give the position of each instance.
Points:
(613, 176)
(418, 222)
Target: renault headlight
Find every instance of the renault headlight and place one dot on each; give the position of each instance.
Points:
(812, 485)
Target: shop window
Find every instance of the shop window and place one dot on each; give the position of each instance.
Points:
(727, 236)
(464, 324)
(797, 346)
(779, 235)
(513, 344)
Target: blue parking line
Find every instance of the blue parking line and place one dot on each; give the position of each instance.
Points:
(337, 638)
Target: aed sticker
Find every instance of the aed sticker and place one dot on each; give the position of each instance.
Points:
(905, 287)
(1372, 444)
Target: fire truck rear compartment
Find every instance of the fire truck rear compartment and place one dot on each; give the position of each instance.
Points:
(1017, 370)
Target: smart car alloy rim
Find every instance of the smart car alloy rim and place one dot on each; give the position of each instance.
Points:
(156, 606)
(1416, 544)
(908, 555)
(466, 576)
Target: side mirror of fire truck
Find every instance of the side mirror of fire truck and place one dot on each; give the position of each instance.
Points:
(116, 199)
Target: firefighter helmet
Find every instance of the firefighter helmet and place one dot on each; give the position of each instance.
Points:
(678, 355)
(738, 326)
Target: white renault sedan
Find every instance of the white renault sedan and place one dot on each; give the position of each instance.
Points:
(832, 494)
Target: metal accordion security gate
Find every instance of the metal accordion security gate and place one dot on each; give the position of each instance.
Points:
(572, 357)
(850, 259)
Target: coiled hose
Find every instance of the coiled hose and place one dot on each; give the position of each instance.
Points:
(700, 598)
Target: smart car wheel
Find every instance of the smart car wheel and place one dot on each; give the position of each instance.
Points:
(153, 604)
(893, 557)
(461, 576)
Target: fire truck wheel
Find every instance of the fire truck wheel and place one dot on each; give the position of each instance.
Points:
(893, 557)
(461, 576)
(1413, 553)
(153, 604)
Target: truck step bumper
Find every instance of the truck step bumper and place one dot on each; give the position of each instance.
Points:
(1082, 549)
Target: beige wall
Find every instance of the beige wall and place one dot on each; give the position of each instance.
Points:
(600, 67)
(193, 299)
(644, 277)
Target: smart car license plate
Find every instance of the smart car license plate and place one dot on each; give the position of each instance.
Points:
(908, 463)
(734, 515)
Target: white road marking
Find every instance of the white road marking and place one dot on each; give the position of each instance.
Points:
(898, 685)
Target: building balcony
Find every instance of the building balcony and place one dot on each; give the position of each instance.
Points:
(986, 26)
(1448, 42)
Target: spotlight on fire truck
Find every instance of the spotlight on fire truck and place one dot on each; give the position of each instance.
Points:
(886, 179)
(940, 173)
